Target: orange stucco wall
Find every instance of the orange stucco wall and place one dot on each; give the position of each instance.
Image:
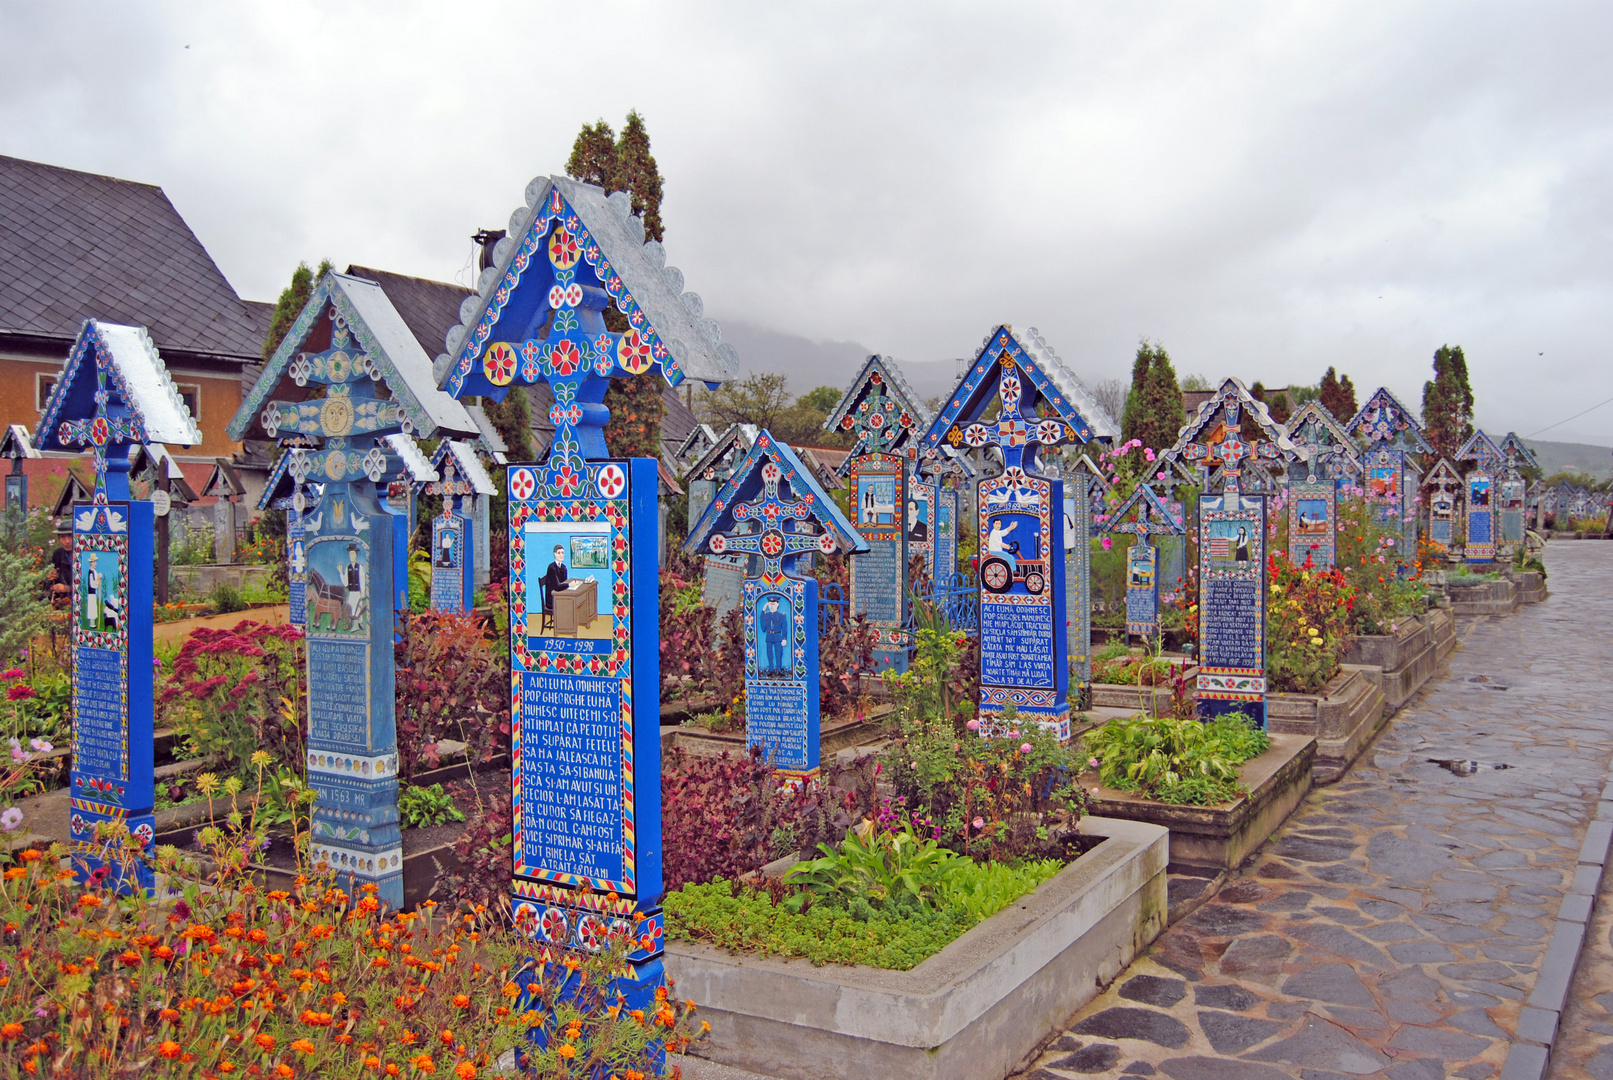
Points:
(220, 397)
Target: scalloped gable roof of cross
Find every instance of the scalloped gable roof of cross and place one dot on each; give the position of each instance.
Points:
(1074, 390)
(1384, 395)
(138, 374)
(700, 433)
(1525, 455)
(829, 515)
(736, 436)
(18, 443)
(1444, 471)
(892, 375)
(677, 316)
(414, 462)
(1153, 506)
(492, 441)
(1482, 449)
(385, 339)
(1232, 387)
(468, 464)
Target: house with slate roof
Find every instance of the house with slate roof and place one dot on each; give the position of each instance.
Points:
(77, 245)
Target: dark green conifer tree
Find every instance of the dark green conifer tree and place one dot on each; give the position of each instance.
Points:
(1448, 402)
(293, 298)
(1153, 411)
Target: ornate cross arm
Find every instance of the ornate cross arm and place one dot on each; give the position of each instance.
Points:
(776, 546)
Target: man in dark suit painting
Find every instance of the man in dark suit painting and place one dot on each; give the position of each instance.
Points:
(775, 626)
(554, 578)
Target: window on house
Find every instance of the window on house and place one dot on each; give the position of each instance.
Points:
(43, 384)
(191, 395)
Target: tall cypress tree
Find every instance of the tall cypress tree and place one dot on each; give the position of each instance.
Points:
(293, 298)
(1338, 396)
(625, 164)
(1154, 405)
(1448, 402)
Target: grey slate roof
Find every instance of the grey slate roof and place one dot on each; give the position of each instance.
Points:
(77, 245)
(694, 341)
(428, 308)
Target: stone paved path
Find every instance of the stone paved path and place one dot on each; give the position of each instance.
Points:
(1396, 923)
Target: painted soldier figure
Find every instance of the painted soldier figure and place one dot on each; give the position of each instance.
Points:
(774, 626)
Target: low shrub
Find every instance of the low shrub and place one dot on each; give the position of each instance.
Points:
(719, 816)
(226, 599)
(230, 693)
(450, 684)
(1173, 760)
(419, 807)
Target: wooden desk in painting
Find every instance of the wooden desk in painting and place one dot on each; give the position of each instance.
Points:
(575, 606)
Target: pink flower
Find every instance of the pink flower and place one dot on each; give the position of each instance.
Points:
(973, 725)
(1024, 748)
(979, 823)
(1093, 762)
(1107, 543)
(14, 673)
(11, 820)
(1148, 455)
(20, 692)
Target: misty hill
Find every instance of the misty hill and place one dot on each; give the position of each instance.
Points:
(809, 364)
(1557, 457)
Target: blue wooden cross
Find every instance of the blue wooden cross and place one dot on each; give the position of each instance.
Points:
(108, 435)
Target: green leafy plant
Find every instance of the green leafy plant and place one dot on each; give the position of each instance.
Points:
(226, 598)
(1525, 561)
(419, 807)
(1174, 760)
(875, 870)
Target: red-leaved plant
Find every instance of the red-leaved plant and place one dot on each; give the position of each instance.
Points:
(451, 684)
(230, 693)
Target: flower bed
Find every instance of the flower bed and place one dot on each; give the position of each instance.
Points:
(1222, 836)
(978, 1007)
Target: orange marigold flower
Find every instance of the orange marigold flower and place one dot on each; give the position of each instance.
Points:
(568, 1051)
(15, 872)
(302, 1046)
(30, 855)
(11, 1031)
(279, 894)
(169, 1015)
(30, 1066)
(511, 990)
(275, 959)
(284, 1071)
(408, 1038)
(163, 952)
(265, 1041)
(256, 936)
(465, 1071)
(501, 1011)
(372, 1062)
(168, 1049)
(130, 958)
(391, 1069)
(197, 932)
(424, 1064)
(226, 1067)
(461, 1001)
(446, 1036)
(90, 900)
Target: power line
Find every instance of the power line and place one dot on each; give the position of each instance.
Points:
(1576, 416)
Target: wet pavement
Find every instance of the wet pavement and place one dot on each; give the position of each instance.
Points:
(1397, 923)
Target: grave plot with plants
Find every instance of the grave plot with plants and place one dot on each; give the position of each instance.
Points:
(898, 853)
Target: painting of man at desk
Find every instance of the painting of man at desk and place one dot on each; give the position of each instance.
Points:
(568, 580)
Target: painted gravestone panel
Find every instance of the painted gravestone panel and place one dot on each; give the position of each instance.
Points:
(1312, 527)
(946, 534)
(1142, 589)
(586, 771)
(1480, 538)
(297, 566)
(1021, 609)
(1232, 605)
(1441, 517)
(781, 673)
(352, 742)
(1386, 478)
(1511, 498)
(1078, 579)
(921, 500)
(112, 680)
(453, 583)
(879, 489)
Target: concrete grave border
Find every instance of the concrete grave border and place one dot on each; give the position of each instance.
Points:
(980, 1007)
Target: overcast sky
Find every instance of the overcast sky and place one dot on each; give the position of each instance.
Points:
(1267, 189)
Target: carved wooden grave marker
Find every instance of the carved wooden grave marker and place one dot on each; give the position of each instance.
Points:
(1388, 435)
(1024, 653)
(886, 416)
(352, 444)
(1444, 487)
(773, 508)
(584, 636)
(113, 393)
(1512, 491)
(723, 579)
(1144, 515)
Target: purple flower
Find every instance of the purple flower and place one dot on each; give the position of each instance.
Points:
(11, 820)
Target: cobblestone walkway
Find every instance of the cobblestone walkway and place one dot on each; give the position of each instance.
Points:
(1397, 922)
